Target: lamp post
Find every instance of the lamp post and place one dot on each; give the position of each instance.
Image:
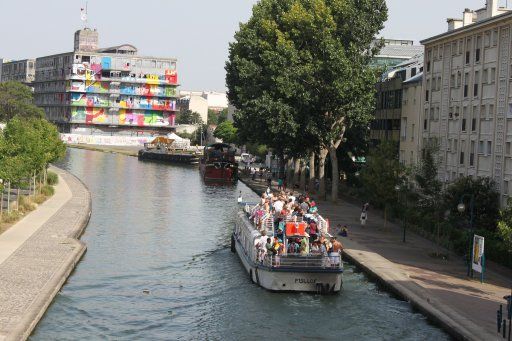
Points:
(398, 189)
(461, 207)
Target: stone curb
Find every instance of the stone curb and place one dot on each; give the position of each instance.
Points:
(37, 309)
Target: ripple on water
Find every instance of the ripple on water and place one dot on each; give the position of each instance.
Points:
(158, 267)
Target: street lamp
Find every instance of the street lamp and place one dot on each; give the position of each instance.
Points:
(398, 189)
(461, 207)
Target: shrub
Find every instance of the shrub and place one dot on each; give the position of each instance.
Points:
(47, 190)
(52, 178)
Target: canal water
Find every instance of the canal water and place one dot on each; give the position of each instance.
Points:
(159, 267)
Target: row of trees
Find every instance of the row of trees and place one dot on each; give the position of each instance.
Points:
(299, 74)
(432, 207)
(28, 142)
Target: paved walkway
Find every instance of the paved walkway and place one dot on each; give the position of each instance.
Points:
(439, 288)
(37, 255)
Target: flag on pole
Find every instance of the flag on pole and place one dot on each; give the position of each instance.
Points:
(83, 14)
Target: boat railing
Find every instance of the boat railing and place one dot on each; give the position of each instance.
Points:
(304, 262)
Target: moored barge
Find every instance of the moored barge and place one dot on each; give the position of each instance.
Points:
(166, 150)
(218, 164)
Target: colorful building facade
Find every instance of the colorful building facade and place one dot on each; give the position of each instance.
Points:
(107, 91)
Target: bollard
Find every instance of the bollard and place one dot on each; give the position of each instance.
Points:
(499, 314)
(504, 328)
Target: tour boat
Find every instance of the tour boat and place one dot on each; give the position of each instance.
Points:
(312, 273)
(169, 151)
(218, 163)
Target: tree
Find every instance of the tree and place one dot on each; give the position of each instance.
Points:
(16, 99)
(188, 117)
(381, 174)
(212, 117)
(299, 74)
(226, 132)
(505, 226)
(223, 116)
(426, 176)
(486, 200)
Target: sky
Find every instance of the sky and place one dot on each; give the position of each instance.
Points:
(197, 32)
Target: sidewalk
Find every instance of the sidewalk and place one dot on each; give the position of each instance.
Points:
(438, 288)
(38, 253)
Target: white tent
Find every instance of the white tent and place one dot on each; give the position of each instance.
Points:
(174, 137)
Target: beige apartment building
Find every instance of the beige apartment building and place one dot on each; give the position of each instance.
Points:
(467, 96)
(410, 137)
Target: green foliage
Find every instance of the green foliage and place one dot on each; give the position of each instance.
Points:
(298, 71)
(505, 226)
(188, 117)
(486, 201)
(382, 173)
(429, 187)
(16, 99)
(257, 149)
(217, 118)
(226, 132)
(47, 190)
(52, 178)
(26, 146)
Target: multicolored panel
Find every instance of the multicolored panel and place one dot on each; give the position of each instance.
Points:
(78, 115)
(97, 87)
(96, 116)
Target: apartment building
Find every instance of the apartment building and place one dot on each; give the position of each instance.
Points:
(389, 100)
(395, 52)
(410, 124)
(113, 90)
(468, 96)
(23, 71)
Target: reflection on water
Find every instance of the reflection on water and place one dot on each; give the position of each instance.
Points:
(158, 267)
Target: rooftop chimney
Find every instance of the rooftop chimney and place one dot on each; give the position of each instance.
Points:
(454, 24)
(492, 8)
(467, 17)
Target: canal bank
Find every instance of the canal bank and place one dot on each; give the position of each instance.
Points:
(38, 254)
(438, 288)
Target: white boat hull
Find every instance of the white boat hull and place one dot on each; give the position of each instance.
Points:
(288, 280)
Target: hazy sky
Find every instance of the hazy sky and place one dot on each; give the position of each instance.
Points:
(197, 32)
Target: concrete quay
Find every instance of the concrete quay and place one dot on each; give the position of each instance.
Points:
(438, 288)
(38, 254)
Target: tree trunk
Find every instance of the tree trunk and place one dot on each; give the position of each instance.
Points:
(303, 175)
(9, 198)
(321, 171)
(18, 199)
(296, 170)
(289, 172)
(312, 173)
(2, 203)
(335, 174)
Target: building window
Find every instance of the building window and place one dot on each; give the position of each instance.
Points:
(463, 124)
(508, 148)
(465, 90)
(487, 39)
(475, 85)
(494, 37)
(461, 161)
(468, 57)
(481, 147)
(473, 124)
(493, 75)
(412, 132)
(427, 93)
(505, 187)
(477, 55)
(472, 154)
(489, 148)
(425, 124)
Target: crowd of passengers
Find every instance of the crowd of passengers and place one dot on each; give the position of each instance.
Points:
(282, 207)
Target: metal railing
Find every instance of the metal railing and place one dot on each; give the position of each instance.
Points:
(304, 262)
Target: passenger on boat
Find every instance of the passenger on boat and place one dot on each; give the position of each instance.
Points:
(270, 247)
(304, 244)
(335, 252)
(313, 229)
(315, 247)
(293, 246)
